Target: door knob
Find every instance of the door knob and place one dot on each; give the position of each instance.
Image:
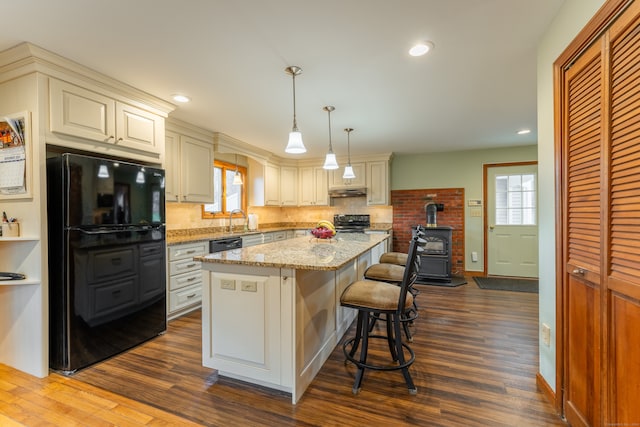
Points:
(578, 271)
(491, 227)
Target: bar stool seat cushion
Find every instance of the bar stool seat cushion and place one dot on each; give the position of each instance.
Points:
(374, 295)
(385, 273)
(397, 258)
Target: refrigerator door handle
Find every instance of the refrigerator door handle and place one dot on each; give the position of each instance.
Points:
(110, 230)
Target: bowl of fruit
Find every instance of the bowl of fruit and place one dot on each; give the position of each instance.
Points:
(323, 230)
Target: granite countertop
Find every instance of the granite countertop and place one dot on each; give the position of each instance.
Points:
(300, 253)
(195, 235)
(185, 236)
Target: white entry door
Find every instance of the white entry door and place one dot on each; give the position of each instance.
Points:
(512, 218)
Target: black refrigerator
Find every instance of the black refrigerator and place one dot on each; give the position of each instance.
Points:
(107, 250)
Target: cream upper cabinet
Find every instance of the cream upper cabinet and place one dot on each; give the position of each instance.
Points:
(288, 186)
(337, 181)
(189, 164)
(378, 183)
(89, 114)
(314, 189)
(271, 185)
(172, 166)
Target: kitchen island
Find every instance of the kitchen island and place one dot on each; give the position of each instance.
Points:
(271, 313)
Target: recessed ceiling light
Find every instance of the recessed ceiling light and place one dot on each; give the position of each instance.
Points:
(524, 131)
(181, 98)
(421, 48)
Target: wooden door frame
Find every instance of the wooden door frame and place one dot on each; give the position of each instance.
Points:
(590, 33)
(485, 195)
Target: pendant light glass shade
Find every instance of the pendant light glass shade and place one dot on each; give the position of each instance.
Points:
(295, 144)
(330, 161)
(348, 170)
(237, 177)
(140, 177)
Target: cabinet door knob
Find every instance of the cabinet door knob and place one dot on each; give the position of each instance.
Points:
(579, 271)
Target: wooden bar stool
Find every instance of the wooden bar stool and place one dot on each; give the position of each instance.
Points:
(372, 298)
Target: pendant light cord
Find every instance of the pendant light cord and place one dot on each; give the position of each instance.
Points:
(330, 145)
(295, 123)
(349, 146)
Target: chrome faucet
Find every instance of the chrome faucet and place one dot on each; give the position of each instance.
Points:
(244, 215)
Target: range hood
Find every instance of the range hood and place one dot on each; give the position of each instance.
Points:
(348, 192)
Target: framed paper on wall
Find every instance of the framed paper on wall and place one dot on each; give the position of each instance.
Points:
(15, 159)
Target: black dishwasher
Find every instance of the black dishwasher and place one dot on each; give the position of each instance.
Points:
(225, 244)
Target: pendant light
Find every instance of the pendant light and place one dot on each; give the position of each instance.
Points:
(295, 144)
(237, 177)
(330, 161)
(348, 170)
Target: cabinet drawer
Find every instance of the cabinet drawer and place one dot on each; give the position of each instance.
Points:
(183, 266)
(188, 250)
(181, 280)
(109, 264)
(113, 297)
(185, 297)
(149, 249)
(279, 235)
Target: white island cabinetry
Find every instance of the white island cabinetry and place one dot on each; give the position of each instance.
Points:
(289, 294)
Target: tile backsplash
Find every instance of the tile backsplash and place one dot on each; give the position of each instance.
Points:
(189, 215)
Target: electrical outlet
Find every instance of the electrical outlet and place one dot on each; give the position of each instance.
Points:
(474, 256)
(546, 334)
(228, 284)
(249, 286)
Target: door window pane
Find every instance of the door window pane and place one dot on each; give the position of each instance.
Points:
(515, 199)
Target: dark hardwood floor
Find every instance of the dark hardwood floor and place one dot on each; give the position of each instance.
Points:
(477, 357)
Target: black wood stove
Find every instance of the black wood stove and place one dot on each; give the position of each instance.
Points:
(435, 261)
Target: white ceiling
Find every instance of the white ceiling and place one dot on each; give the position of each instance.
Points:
(474, 90)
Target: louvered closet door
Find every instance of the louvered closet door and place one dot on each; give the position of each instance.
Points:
(583, 247)
(623, 279)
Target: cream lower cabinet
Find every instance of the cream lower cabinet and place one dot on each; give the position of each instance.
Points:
(313, 185)
(189, 164)
(185, 278)
(121, 128)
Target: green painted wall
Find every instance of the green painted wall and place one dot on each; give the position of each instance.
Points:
(457, 169)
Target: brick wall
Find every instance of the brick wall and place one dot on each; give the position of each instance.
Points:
(408, 211)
